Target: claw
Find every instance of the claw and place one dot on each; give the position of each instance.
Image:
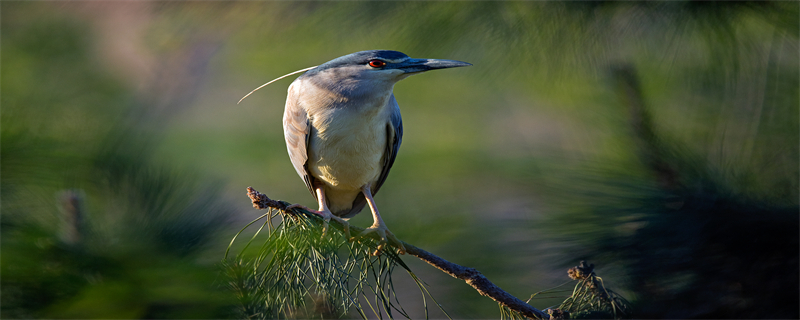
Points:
(326, 218)
(387, 237)
(345, 225)
(380, 227)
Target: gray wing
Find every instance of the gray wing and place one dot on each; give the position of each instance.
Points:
(296, 131)
(394, 136)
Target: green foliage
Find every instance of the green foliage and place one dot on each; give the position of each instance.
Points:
(592, 300)
(675, 222)
(589, 299)
(136, 112)
(92, 226)
(300, 272)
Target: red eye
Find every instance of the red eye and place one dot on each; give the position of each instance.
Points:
(377, 63)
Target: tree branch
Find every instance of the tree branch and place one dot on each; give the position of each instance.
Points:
(471, 276)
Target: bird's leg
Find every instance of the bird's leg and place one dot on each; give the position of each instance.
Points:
(379, 227)
(325, 213)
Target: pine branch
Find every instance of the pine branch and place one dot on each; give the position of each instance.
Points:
(471, 276)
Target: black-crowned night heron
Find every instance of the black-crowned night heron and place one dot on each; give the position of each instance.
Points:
(343, 129)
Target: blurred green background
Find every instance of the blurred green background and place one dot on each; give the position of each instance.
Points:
(658, 140)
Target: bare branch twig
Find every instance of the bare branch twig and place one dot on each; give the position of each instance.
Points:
(471, 276)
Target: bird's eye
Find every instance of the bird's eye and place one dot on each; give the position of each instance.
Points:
(377, 63)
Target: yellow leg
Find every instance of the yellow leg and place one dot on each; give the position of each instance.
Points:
(378, 226)
(325, 213)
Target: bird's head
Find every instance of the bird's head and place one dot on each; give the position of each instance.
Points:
(364, 72)
(374, 69)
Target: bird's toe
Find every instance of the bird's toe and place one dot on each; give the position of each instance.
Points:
(344, 223)
(401, 249)
(327, 216)
(386, 237)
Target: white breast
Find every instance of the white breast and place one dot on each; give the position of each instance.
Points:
(347, 144)
(346, 151)
(347, 138)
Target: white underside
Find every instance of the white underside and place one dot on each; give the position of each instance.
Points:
(347, 154)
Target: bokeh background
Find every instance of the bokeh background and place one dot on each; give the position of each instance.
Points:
(657, 140)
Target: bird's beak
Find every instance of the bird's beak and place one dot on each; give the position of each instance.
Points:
(422, 65)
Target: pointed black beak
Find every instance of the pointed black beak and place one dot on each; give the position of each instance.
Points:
(422, 65)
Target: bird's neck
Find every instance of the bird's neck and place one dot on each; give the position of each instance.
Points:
(355, 96)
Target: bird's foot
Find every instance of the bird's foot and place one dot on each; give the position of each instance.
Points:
(387, 237)
(326, 218)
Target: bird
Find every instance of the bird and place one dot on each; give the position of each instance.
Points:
(343, 129)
